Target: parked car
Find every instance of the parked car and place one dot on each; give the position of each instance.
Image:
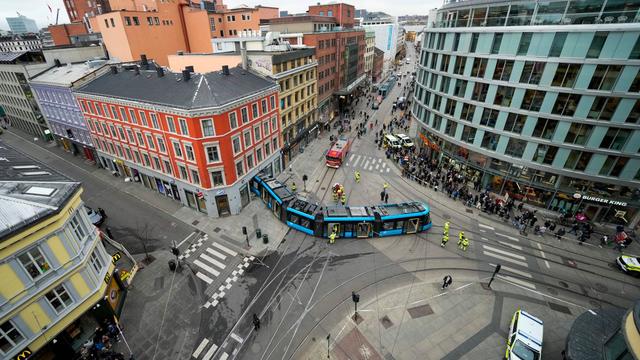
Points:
(94, 216)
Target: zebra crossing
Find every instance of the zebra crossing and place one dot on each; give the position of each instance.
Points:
(206, 344)
(209, 264)
(511, 262)
(368, 163)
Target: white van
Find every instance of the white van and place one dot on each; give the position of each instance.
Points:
(525, 337)
(391, 141)
(405, 140)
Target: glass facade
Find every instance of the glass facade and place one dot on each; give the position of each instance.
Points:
(542, 113)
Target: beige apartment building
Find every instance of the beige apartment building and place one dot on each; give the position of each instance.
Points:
(370, 41)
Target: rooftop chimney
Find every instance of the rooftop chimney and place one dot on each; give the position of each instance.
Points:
(114, 69)
(160, 71)
(190, 68)
(186, 75)
(57, 62)
(225, 69)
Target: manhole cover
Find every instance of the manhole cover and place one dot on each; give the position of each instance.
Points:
(195, 222)
(470, 211)
(216, 230)
(420, 311)
(559, 308)
(386, 322)
(563, 284)
(600, 287)
(552, 291)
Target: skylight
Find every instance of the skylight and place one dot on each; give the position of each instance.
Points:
(40, 191)
(25, 167)
(35, 173)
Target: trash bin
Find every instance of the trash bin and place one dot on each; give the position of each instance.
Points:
(258, 233)
(265, 239)
(172, 265)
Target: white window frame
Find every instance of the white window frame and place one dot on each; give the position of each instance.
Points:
(143, 118)
(185, 175)
(184, 127)
(213, 128)
(179, 148)
(162, 146)
(96, 261)
(5, 335)
(206, 152)
(245, 111)
(235, 167)
(154, 120)
(132, 116)
(257, 133)
(274, 123)
(75, 224)
(150, 143)
(58, 296)
(186, 153)
(244, 139)
(233, 147)
(192, 171)
(171, 126)
(221, 170)
(32, 261)
(233, 119)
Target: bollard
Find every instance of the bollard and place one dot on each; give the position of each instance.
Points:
(258, 233)
(172, 265)
(265, 239)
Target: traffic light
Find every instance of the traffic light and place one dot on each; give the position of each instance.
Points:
(355, 297)
(175, 251)
(244, 230)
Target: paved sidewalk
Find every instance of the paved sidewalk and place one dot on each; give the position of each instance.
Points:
(422, 321)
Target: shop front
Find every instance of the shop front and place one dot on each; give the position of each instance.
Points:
(196, 200)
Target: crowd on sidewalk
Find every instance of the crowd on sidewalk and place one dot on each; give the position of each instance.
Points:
(100, 346)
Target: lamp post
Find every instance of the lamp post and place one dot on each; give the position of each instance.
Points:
(356, 298)
(328, 339)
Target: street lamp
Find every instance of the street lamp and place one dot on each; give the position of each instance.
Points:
(328, 339)
(356, 298)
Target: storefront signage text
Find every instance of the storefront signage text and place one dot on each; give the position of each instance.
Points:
(24, 354)
(602, 201)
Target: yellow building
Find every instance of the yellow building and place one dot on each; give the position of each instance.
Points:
(370, 41)
(295, 70)
(54, 269)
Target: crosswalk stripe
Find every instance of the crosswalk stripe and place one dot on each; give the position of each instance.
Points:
(518, 281)
(486, 226)
(351, 157)
(204, 277)
(216, 254)
(388, 169)
(200, 347)
(523, 264)
(209, 353)
(225, 249)
(491, 248)
(515, 271)
(377, 166)
(510, 245)
(508, 237)
(237, 338)
(206, 267)
(224, 356)
(213, 261)
(355, 162)
(366, 163)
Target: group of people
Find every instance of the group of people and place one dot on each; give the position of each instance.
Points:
(101, 344)
(463, 241)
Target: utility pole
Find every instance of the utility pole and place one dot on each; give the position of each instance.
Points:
(328, 339)
(495, 272)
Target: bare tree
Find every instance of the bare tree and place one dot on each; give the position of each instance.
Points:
(143, 233)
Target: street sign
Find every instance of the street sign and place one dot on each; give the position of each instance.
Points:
(200, 195)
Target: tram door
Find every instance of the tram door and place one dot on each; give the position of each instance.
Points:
(411, 226)
(331, 227)
(363, 230)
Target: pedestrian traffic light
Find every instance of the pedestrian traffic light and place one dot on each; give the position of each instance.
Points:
(244, 230)
(355, 297)
(497, 269)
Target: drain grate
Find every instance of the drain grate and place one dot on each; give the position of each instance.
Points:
(559, 308)
(216, 230)
(195, 222)
(386, 322)
(420, 311)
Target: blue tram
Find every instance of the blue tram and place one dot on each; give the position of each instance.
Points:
(347, 221)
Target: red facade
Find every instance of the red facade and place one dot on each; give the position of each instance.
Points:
(185, 144)
(344, 13)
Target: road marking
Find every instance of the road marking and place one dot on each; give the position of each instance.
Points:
(225, 249)
(504, 252)
(217, 254)
(351, 157)
(355, 162)
(483, 230)
(510, 245)
(544, 256)
(185, 239)
(204, 277)
(237, 338)
(213, 261)
(224, 356)
(377, 166)
(515, 271)
(209, 353)
(200, 347)
(505, 258)
(518, 281)
(207, 267)
(486, 226)
(508, 237)
(388, 169)
(366, 163)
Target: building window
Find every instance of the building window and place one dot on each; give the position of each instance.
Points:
(480, 92)
(259, 155)
(545, 128)
(458, 66)
(497, 41)
(479, 66)
(545, 154)
(167, 167)
(265, 128)
(195, 176)
(59, 298)
(577, 160)
(177, 149)
(136, 21)
(250, 162)
(605, 77)
(188, 149)
(566, 104)
(525, 41)
(566, 75)
(578, 134)
(10, 336)
(613, 165)
(143, 118)
(256, 133)
(239, 168)
(474, 42)
(596, 44)
(503, 70)
(504, 96)
(615, 139)
(183, 172)
(532, 72)
(171, 125)
(515, 147)
(123, 113)
(237, 147)
(96, 262)
(489, 117)
(34, 263)
(77, 227)
(154, 121)
(213, 154)
(247, 139)
(184, 130)
(244, 113)
(468, 134)
(490, 141)
(114, 113)
(161, 145)
(207, 127)
(233, 120)
(264, 106)
(217, 178)
(140, 139)
(127, 20)
(132, 116)
(532, 100)
(150, 142)
(467, 112)
(254, 110)
(451, 128)
(603, 108)
(557, 44)
(515, 123)
(272, 99)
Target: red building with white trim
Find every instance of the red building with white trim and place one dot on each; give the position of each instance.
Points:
(196, 138)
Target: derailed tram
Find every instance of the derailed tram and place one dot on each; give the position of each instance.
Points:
(346, 221)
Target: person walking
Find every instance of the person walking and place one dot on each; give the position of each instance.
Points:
(357, 176)
(256, 322)
(385, 186)
(344, 199)
(460, 237)
(382, 193)
(293, 187)
(332, 237)
(446, 281)
(445, 239)
(446, 228)
(465, 244)
(386, 198)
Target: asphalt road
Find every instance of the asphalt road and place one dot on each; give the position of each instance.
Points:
(126, 215)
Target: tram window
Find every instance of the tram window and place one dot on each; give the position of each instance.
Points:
(347, 227)
(294, 218)
(399, 224)
(387, 225)
(305, 222)
(428, 217)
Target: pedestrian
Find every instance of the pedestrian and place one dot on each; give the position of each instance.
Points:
(460, 237)
(102, 213)
(385, 186)
(357, 176)
(446, 228)
(382, 193)
(446, 281)
(445, 239)
(344, 199)
(386, 198)
(293, 187)
(604, 241)
(332, 237)
(108, 231)
(256, 322)
(465, 244)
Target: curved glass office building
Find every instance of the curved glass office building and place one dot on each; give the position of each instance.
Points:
(539, 100)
